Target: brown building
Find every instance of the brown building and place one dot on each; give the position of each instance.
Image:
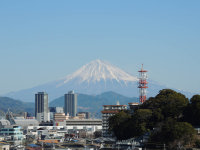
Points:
(60, 118)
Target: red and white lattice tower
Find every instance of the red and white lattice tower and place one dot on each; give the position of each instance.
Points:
(143, 85)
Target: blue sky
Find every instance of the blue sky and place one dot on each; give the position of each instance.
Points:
(41, 41)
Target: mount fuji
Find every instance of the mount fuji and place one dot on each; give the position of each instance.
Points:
(93, 78)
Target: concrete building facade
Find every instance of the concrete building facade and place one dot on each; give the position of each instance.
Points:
(70, 104)
(15, 133)
(41, 107)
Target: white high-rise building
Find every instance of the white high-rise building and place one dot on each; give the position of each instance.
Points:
(41, 107)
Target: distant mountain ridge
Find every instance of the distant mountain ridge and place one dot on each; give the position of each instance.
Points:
(89, 103)
(16, 106)
(94, 104)
(93, 78)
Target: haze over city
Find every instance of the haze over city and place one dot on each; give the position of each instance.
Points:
(99, 75)
(42, 41)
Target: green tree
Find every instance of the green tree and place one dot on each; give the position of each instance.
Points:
(173, 133)
(192, 112)
(142, 121)
(167, 103)
(118, 124)
(160, 114)
(125, 126)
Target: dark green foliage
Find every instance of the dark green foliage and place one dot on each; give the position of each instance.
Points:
(172, 133)
(169, 103)
(197, 143)
(161, 115)
(16, 106)
(142, 121)
(118, 125)
(125, 126)
(192, 112)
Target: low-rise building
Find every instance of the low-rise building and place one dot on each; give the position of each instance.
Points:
(60, 117)
(4, 123)
(54, 110)
(12, 134)
(70, 126)
(25, 122)
(4, 146)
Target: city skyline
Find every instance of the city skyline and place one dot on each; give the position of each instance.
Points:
(45, 42)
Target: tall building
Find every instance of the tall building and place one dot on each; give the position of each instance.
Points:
(70, 104)
(41, 107)
(108, 111)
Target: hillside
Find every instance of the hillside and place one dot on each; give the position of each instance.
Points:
(86, 102)
(15, 106)
(94, 104)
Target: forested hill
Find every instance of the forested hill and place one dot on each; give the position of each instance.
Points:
(15, 106)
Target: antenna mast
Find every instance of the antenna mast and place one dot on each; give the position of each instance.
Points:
(142, 85)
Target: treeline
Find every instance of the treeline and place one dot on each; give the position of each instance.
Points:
(169, 118)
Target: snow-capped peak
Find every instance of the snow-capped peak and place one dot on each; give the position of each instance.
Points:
(99, 70)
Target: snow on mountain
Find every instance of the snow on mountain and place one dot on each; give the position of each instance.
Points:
(93, 78)
(99, 70)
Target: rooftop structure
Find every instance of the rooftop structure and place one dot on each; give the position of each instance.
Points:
(17, 121)
(26, 122)
(133, 106)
